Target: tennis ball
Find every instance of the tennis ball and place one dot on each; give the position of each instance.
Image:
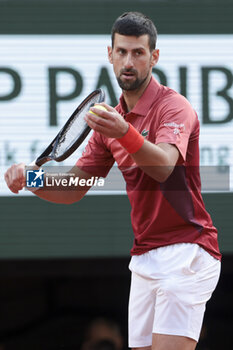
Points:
(99, 107)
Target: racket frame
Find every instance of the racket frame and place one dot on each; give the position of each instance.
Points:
(49, 152)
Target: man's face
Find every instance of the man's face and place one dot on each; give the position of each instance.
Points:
(132, 60)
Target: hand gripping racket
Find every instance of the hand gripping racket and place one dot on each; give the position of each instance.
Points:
(73, 132)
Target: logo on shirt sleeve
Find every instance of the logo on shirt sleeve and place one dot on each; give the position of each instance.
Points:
(177, 128)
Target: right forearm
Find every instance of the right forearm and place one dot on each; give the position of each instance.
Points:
(60, 197)
(54, 191)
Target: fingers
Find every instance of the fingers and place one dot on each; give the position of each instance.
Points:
(109, 108)
(101, 118)
(111, 112)
(98, 119)
(98, 124)
(102, 114)
(109, 123)
(15, 177)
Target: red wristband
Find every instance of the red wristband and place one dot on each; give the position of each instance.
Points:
(132, 141)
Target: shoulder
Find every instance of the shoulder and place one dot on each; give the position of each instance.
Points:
(170, 96)
(172, 101)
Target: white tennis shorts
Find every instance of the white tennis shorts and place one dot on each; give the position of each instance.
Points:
(169, 290)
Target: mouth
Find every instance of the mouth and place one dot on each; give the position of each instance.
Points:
(128, 75)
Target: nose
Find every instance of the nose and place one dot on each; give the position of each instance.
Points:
(128, 61)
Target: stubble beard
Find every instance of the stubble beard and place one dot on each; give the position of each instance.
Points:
(130, 86)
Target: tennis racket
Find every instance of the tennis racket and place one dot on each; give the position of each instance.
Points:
(73, 132)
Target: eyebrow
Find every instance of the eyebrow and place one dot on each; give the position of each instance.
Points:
(134, 49)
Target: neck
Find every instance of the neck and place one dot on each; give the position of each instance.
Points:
(132, 97)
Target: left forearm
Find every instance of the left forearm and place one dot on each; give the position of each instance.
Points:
(157, 161)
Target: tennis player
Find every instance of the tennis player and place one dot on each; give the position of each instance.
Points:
(153, 136)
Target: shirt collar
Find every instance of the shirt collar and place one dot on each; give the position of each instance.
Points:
(144, 103)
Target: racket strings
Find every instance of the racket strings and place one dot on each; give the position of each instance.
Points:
(75, 128)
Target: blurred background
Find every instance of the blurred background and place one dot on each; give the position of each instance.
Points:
(64, 279)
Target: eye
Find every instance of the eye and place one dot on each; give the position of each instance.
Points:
(138, 52)
(121, 51)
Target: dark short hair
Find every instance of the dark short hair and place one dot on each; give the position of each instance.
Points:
(135, 24)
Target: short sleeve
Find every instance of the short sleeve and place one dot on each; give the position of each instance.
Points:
(177, 122)
(96, 159)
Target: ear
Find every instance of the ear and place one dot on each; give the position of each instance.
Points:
(110, 54)
(154, 57)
